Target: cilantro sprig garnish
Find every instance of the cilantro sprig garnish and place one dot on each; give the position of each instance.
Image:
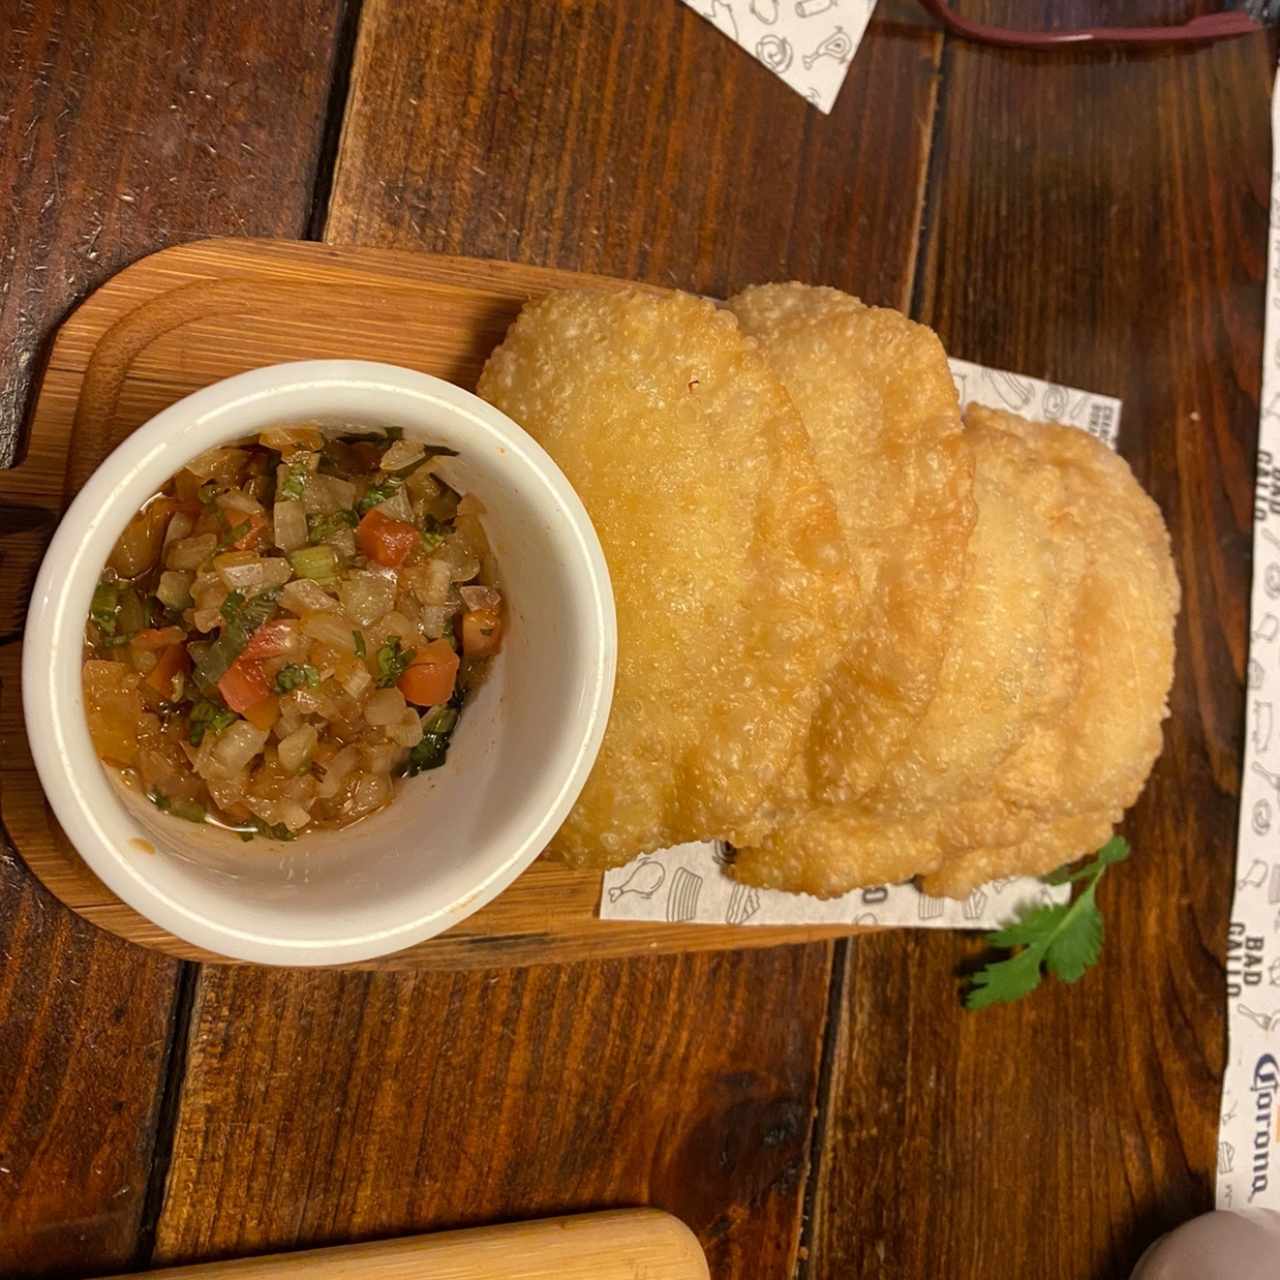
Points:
(1063, 938)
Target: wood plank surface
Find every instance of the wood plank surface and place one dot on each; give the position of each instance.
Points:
(549, 134)
(325, 1107)
(1101, 220)
(632, 140)
(122, 127)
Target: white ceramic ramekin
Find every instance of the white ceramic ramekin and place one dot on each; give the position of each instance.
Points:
(453, 838)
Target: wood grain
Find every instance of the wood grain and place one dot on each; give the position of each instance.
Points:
(434, 1100)
(1101, 220)
(114, 146)
(551, 135)
(122, 127)
(84, 1026)
(632, 140)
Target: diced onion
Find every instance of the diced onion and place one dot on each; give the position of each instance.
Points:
(304, 596)
(240, 502)
(207, 619)
(422, 484)
(289, 521)
(401, 454)
(437, 619)
(179, 527)
(463, 562)
(384, 707)
(477, 597)
(290, 721)
(367, 596)
(330, 629)
(357, 680)
(305, 701)
(343, 541)
(378, 756)
(326, 494)
(213, 462)
(472, 533)
(293, 815)
(295, 750)
(235, 746)
(397, 507)
(337, 771)
(174, 589)
(372, 791)
(430, 582)
(286, 440)
(407, 731)
(241, 572)
(394, 624)
(190, 553)
(276, 571)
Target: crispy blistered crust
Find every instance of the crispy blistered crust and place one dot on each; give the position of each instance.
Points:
(1073, 780)
(729, 571)
(1008, 668)
(876, 395)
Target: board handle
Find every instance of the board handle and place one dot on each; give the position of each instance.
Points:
(618, 1244)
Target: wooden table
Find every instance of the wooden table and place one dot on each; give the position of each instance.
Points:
(825, 1110)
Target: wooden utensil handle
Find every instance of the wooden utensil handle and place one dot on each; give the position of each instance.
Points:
(615, 1245)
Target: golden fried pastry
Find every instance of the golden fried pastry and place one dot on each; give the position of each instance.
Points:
(1062, 793)
(729, 572)
(1008, 668)
(876, 395)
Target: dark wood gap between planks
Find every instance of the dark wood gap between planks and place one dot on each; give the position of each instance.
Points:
(335, 117)
(929, 186)
(822, 1109)
(166, 1118)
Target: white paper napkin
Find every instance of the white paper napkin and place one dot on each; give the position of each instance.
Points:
(1249, 1120)
(807, 43)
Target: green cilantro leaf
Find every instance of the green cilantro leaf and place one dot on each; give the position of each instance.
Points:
(1064, 939)
(294, 676)
(320, 528)
(208, 715)
(102, 609)
(295, 481)
(393, 662)
(378, 492)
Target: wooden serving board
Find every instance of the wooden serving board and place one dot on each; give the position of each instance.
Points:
(188, 316)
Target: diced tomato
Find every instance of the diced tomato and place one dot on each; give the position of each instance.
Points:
(481, 632)
(244, 685)
(151, 638)
(257, 523)
(431, 675)
(172, 660)
(386, 541)
(271, 640)
(263, 715)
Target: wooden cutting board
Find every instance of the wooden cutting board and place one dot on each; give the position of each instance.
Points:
(188, 316)
(621, 1245)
